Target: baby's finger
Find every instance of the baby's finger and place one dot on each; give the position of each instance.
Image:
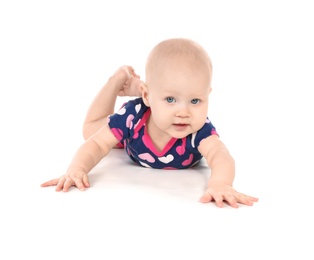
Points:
(231, 200)
(246, 200)
(50, 183)
(254, 199)
(79, 184)
(219, 200)
(60, 184)
(206, 198)
(86, 181)
(68, 183)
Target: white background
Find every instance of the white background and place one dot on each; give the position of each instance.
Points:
(54, 58)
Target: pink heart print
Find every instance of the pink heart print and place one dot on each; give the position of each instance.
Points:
(146, 157)
(129, 122)
(180, 149)
(188, 161)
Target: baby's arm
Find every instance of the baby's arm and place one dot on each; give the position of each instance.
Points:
(85, 159)
(222, 167)
(124, 82)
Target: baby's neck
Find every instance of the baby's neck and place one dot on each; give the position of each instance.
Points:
(158, 138)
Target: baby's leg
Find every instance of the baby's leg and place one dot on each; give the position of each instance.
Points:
(103, 104)
(101, 107)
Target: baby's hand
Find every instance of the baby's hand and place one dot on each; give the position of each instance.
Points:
(132, 83)
(78, 179)
(219, 192)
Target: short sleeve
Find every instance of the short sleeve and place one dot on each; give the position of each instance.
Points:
(122, 123)
(207, 130)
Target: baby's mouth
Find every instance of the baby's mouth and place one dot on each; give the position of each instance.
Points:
(180, 126)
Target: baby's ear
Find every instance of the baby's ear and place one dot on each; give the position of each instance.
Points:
(144, 90)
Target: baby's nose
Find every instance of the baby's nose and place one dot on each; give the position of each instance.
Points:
(182, 111)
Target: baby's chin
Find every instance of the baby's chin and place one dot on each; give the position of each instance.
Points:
(180, 135)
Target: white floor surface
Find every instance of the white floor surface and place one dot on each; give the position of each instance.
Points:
(54, 58)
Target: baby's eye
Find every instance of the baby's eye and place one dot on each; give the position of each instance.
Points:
(170, 99)
(195, 101)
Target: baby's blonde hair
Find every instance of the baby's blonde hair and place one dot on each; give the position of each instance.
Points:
(179, 52)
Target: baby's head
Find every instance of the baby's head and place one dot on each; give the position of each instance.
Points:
(178, 83)
(178, 55)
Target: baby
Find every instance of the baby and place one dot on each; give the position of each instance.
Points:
(166, 127)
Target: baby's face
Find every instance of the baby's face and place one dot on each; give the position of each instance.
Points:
(178, 101)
